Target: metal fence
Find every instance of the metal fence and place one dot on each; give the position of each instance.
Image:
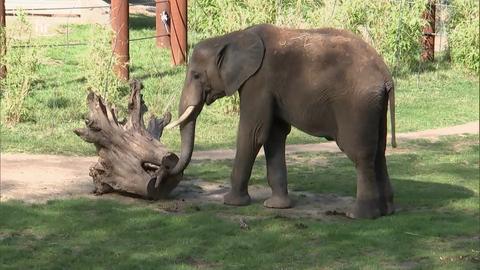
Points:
(44, 13)
(443, 10)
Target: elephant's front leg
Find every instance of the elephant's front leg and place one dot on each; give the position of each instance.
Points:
(274, 149)
(247, 150)
(252, 133)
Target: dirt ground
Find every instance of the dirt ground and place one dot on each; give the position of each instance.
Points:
(48, 17)
(39, 178)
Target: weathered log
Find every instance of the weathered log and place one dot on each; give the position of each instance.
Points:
(131, 157)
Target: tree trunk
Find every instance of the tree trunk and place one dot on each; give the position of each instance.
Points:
(131, 157)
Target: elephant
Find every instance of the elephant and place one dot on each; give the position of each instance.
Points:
(325, 82)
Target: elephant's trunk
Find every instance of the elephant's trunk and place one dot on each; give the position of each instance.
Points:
(190, 106)
(187, 134)
(187, 131)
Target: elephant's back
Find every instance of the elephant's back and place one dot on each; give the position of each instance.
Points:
(320, 74)
(323, 48)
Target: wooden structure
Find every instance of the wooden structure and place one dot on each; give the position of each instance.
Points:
(131, 157)
(3, 40)
(428, 39)
(162, 23)
(178, 33)
(119, 12)
(171, 32)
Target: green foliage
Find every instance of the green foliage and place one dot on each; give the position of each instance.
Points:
(401, 31)
(22, 65)
(97, 66)
(463, 35)
(399, 34)
(215, 17)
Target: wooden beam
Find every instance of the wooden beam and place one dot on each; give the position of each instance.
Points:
(3, 40)
(119, 18)
(178, 33)
(162, 23)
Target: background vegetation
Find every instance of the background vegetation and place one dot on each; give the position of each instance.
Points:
(400, 32)
(44, 95)
(464, 35)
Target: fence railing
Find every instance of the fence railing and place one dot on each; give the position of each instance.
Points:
(119, 22)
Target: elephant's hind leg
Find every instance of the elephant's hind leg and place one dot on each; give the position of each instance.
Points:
(383, 180)
(274, 149)
(368, 203)
(374, 191)
(360, 143)
(366, 147)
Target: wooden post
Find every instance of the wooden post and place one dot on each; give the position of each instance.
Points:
(428, 40)
(3, 40)
(119, 12)
(178, 33)
(162, 23)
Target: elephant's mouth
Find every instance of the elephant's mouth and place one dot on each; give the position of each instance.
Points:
(210, 98)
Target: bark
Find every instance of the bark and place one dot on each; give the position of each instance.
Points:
(131, 157)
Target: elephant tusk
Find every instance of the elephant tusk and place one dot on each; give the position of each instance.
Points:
(182, 118)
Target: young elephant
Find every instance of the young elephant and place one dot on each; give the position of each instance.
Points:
(325, 82)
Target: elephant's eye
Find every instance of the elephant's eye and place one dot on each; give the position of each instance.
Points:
(196, 75)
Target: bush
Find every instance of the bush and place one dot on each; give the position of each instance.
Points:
(399, 34)
(368, 18)
(97, 67)
(22, 66)
(463, 35)
(390, 26)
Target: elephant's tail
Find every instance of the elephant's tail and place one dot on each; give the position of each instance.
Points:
(391, 97)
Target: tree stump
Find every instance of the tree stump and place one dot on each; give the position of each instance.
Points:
(131, 157)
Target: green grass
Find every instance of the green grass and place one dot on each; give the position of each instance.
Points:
(436, 227)
(56, 104)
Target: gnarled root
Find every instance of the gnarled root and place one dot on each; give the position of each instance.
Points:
(131, 157)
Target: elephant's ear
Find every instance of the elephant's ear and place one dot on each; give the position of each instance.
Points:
(239, 59)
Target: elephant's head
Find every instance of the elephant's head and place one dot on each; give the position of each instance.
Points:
(218, 67)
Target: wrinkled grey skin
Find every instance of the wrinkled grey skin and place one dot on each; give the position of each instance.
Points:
(325, 82)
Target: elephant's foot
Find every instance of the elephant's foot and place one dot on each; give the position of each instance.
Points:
(390, 209)
(364, 209)
(278, 202)
(237, 199)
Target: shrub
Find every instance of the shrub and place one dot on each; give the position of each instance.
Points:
(463, 35)
(22, 65)
(214, 17)
(392, 27)
(97, 67)
(399, 34)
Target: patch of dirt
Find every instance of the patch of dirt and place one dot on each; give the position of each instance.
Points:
(51, 22)
(295, 159)
(39, 178)
(199, 263)
(193, 194)
(411, 264)
(460, 146)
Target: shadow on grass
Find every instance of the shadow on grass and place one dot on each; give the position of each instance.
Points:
(162, 74)
(140, 21)
(425, 175)
(82, 233)
(439, 64)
